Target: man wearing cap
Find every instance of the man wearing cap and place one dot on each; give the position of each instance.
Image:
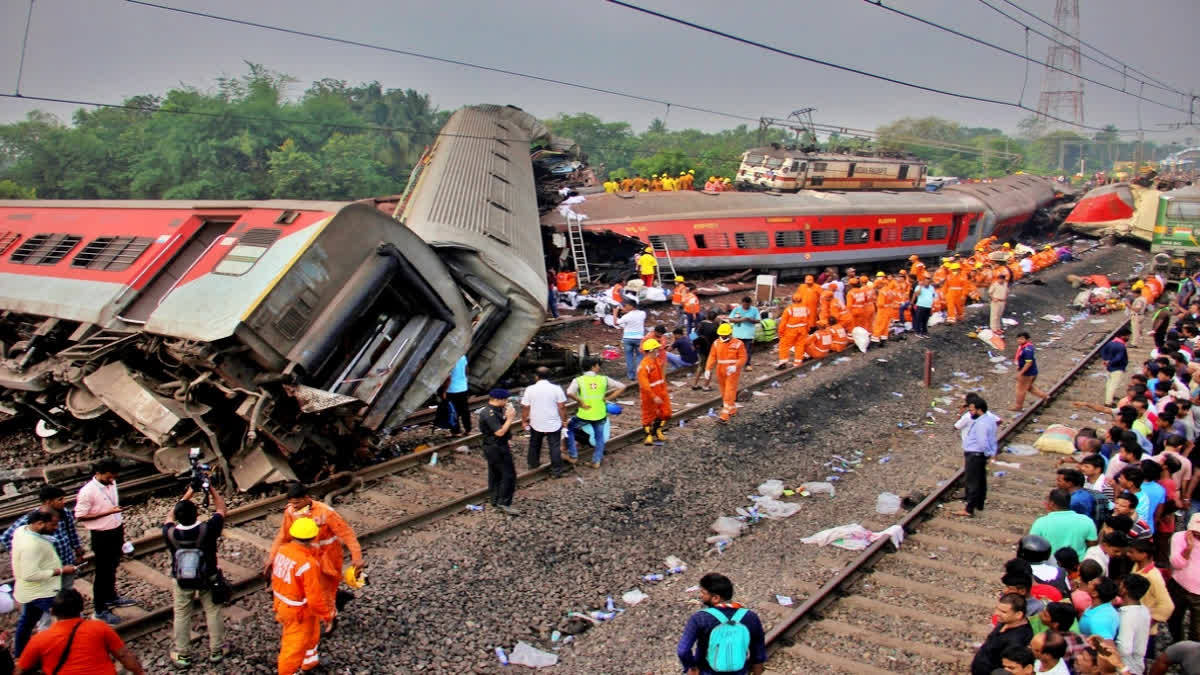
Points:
(495, 422)
(647, 264)
(678, 292)
(728, 356)
(656, 400)
(917, 268)
(997, 301)
(592, 390)
(691, 306)
(956, 290)
(745, 318)
(300, 603)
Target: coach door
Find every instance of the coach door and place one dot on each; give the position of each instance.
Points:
(147, 301)
(956, 230)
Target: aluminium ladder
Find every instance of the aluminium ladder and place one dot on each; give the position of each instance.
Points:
(578, 250)
(663, 253)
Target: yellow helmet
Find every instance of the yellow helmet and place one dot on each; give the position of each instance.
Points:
(692, 171)
(649, 249)
(304, 528)
(354, 580)
(1007, 245)
(682, 173)
(678, 278)
(880, 274)
(1047, 247)
(654, 175)
(650, 344)
(725, 329)
(978, 266)
(955, 266)
(1138, 285)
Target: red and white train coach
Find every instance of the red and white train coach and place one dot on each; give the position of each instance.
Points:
(739, 230)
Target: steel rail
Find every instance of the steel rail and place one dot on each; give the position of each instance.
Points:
(779, 635)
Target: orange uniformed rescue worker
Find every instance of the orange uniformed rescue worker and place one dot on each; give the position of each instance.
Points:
(656, 400)
(956, 291)
(819, 343)
(728, 356)
(793, 331)
(300, 602)
(809, 294)
(856, 303)
(883, 301)
(691, 306)
(334, 533)
(917, 269)
(841, 339)
(678, 292)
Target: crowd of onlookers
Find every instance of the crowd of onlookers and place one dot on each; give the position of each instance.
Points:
(1108, 580)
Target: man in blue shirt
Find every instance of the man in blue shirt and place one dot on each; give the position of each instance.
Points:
(1115, 359)
(65, 538)
(1149, 494)
(979, 443)
(1082, 501)
(686, 356)
(745, 318)
(459, 397)
(1102, 619)
(922, 302)
(716, 592)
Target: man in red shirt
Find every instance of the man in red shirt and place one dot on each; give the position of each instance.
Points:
(74, 645)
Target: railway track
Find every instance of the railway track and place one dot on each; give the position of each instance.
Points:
(941, 583)
(381, 500)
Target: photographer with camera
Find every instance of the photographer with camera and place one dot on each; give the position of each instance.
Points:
(192, 546)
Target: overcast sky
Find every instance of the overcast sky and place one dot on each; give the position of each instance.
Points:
(105, 50)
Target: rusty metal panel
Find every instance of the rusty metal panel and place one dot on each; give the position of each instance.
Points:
(153, 415)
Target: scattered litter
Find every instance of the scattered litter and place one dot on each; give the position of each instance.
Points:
(999, 369)
(960, 374)
(1007, 465)
(726, 528)
(788, 493)
(433, 459)
(501, 656)
(1021, 450)
(897, 394)
(854, 537)
(841, 359)
(1053, 317)
(1096, 321)
(885, 459)
(1008, 322)
(879, 360)
(999, 359)
(1000, 474)
(817, 488)
(633, 597)
(474, 507)
(783, 600)
(629, 402)
(887, 503)
(1101, 420)
(653, 578)
(815, 366)
(527, 655)
(771, 488)
(556, 636)
(759, 393)
(946, 387)
(675, 565)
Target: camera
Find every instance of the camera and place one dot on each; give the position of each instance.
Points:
(199, 480)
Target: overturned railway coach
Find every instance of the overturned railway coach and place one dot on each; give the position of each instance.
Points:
(281, 337)
(703, 231)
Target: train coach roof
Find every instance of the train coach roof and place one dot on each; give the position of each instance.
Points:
(640, 206)
(174, 204)
(832, 156)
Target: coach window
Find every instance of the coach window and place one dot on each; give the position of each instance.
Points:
(818, 166)
(773, 162)
(44, 249)
(850, 171)
(816, 180)
(824, 237)
(936, 232)
(7, 239)
(971, 228)
(856, 235)
(111, 254)
(670, 242)
(885, 234)
(903, 172)
(911, 233)
(751, 239)
(244, 253)
(712, 240)
(789, 239)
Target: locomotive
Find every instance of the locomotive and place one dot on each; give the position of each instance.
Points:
(711, 231)
(788, 169)
(283, 338)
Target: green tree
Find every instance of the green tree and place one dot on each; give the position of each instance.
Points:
(10, 190)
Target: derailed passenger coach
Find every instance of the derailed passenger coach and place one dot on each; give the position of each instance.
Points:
(282, 337)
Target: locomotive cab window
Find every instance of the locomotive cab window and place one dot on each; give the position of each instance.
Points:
(246, 251)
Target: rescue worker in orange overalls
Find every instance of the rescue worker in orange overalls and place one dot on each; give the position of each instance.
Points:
(678, 292)
(856, 302)
(793, 331)
(819, 343)
(728, 356)
(917, 268)
(809, 294)
(656, 400)
(825, 305)
(626, 184)
(841, 339)
(300, 602)
(883, 302)
(334, 533)
(956, 290)
(940, 274)
(872, 298)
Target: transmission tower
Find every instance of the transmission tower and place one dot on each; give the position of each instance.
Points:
(1062, 88)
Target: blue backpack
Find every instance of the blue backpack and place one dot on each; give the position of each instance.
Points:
(729, 642)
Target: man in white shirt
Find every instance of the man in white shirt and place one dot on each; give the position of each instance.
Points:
(544, 414)
(632, 322)
(98, 508)
(1134, 632)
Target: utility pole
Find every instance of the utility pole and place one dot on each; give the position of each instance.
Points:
(1062, 86)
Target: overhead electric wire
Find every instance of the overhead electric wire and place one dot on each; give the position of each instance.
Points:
(1011, 52)
(441, 59)
(849, 69)
(1153, 81)
(24, 43)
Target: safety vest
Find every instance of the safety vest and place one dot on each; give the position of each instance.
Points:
(295, 582)
(592, 406)
(767, 331)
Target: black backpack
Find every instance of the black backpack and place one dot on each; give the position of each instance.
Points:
(188, 566)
